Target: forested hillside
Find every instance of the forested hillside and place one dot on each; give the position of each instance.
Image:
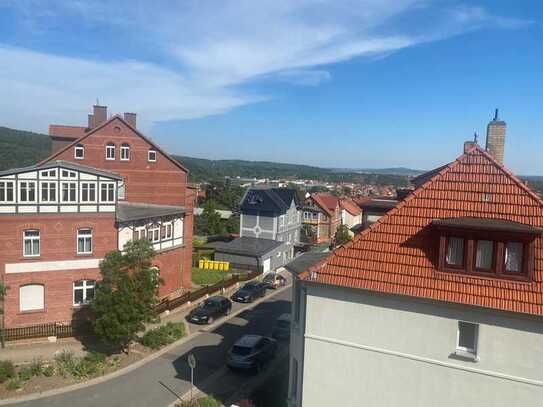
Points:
(20, 148)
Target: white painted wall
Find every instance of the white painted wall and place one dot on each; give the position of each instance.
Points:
(365, 349)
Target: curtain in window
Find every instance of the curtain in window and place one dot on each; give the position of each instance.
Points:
(455, 251)
(513, 257)
(485, 249)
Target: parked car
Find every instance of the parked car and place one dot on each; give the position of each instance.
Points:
(281, 328)
(249, 292)
(274, 280)
(209, 309)
(251, 352)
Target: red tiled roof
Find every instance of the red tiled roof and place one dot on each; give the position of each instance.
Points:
(67, 131)
(391, 256)
(328, 202)
(350, 206)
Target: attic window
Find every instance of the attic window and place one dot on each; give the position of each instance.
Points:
(493, 248)
(79, 152)
(151, 156)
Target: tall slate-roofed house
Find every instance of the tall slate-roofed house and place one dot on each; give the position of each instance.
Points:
(439, 302)
(270, 214)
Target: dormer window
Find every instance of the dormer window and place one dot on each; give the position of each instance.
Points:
(110, 151)
(79, 152)
(486, 247)
(125, 152)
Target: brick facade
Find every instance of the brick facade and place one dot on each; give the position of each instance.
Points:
(162, 182)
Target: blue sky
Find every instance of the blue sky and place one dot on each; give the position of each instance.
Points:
(354, 83)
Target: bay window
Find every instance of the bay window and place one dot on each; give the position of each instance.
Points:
(69, 192)
(107, 192)
(88, 192)
(48, 191)
(27, 191)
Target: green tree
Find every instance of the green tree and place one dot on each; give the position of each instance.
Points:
(127, 294)
(342, 235)
(308, 233)
(210, 222)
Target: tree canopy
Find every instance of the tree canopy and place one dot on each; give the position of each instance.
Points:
(127, 294)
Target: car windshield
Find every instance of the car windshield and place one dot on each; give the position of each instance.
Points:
(250, 285)
(207, 304)
(241, 350)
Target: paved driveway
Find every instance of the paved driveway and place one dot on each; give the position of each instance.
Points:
(159, 382)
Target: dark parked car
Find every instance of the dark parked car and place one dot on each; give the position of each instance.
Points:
(281, 329)
(208, 310)
(249, 292)
(251, 352)
(274, 280)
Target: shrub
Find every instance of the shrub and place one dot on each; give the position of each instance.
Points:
(13, 384)
(48, 371)
(208, 401)
(36, 367)
(7, 370)
(164, 335)
(65, 362)
(25, 374)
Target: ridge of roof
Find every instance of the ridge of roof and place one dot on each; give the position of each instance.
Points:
(320, 199)
(350, 206)
(64, 164)
(110, 120)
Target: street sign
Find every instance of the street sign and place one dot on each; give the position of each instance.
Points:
(192, 361)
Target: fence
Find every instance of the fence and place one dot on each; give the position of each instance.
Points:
(68, 329)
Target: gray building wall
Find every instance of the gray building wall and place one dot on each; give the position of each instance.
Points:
(354, 348)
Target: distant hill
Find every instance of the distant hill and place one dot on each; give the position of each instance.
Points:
(20, 148)
(409, 172)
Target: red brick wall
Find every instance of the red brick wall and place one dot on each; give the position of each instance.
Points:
(58, 236)
(161, 182)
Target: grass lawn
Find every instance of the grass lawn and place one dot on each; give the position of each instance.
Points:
(208, 277)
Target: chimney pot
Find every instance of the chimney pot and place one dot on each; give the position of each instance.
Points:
(100, 115)
(130, 118)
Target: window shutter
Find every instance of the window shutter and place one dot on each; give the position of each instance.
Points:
(31, 297)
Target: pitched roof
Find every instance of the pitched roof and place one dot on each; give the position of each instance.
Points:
(67, 131)
(392, 255)
(276, 200)
(350, 206)
(379, 204)
(116, 117)
(327, 202)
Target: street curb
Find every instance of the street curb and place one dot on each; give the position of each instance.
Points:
(139, 363)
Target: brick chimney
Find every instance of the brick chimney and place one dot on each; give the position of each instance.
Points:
(130, 118)
(90, 122)
(495, 138)
(100, 115)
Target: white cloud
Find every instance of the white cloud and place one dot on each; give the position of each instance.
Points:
(209, 50)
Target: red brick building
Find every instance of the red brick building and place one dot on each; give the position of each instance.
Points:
(103, 185)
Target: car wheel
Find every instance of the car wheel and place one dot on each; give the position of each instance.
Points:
(210, 320)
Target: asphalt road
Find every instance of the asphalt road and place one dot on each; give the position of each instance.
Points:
(161, 381)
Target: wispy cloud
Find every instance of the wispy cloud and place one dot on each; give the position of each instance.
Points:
(203, 52)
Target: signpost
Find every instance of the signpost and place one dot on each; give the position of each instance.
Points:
(192, 365)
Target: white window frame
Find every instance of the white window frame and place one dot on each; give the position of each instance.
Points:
(67, 174)
(282, 220)
(121, 189)
(27, 184)
(48, 174)
(125, 148)
(32, 240)
(149, 153)
(110, 147)
(169, 230)
(79, 148)
(462, 350)
(4, 187)
(140, 233)
(68, 183)
(32, 308)
(108, 185)
(84, 234)
(46, 186)
(81, 195)
(87, 285)
(152, 232)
